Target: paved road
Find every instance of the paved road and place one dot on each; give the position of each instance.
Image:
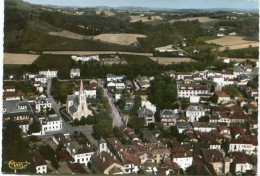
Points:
(66, 127)
(117, 119)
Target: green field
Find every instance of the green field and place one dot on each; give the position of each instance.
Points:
(137, 60)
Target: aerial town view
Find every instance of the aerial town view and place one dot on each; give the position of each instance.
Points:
(156, 87)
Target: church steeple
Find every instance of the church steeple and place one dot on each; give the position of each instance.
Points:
(81, 90)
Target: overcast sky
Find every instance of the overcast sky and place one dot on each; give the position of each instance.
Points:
(174, 4)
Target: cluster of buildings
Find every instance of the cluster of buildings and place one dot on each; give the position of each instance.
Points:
(106, 59)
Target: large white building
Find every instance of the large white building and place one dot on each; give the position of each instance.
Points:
(188, 90)
(49, 73)
(204, 126)
(114, 78)
(194, 113)
(240, 145)
(42, 103)
(51, 123)
(85, 58)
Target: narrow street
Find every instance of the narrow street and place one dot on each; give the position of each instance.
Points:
(117, 119)
(66, 128)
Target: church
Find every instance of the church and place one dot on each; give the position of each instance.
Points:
(77, 105)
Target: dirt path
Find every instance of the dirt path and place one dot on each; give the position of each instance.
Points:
(94, 53)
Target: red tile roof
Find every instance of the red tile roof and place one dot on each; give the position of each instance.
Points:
(8, 95)
(213, 155)
(105, 160)
(222, 94)
(37, 158)
(240, 157)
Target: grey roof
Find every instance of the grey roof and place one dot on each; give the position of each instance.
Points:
(75, 100)
(239, 69)
(102, 141)
(195, 108)
(168, 113)
(144, 112)
(183, 125)
(42, 100)
(12, 106)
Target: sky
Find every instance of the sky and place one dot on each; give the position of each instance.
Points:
(172, 4)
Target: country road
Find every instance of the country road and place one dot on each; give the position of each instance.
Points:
(94, 52)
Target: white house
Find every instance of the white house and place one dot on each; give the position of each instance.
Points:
(222, 96)
(204, 126)
(8, 89)
(42, 103)
(194, 113)
(116, 85)
(41, 78)
(112, 78)
(49, 73)
(40, 163)
(194, 99)
(149, 106)
(241, 161)
(24, 125)
(75, 72)
(240, 145)
(80, 154)
(28, 76)
(187, 90)
(51, 123)
(183, 159)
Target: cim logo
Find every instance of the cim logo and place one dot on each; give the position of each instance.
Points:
(16, 165)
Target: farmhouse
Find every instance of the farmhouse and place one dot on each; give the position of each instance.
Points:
(41, 78)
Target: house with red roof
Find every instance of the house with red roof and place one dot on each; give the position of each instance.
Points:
(40, 163)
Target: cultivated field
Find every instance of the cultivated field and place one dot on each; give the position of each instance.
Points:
(201, 19)
(121, 39)
(233, 43)
(170, 60)
(107, 13)
(70, 35)
(134, 19)
(239, 59)
(19, 59)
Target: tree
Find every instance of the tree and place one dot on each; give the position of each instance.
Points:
(103, 128)
(83, 121)
(35, 127)
(136, 123)
(48, 153)
(191, 170)
(231, 91)
(214, 98)
(204, 119)
(15, 147)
